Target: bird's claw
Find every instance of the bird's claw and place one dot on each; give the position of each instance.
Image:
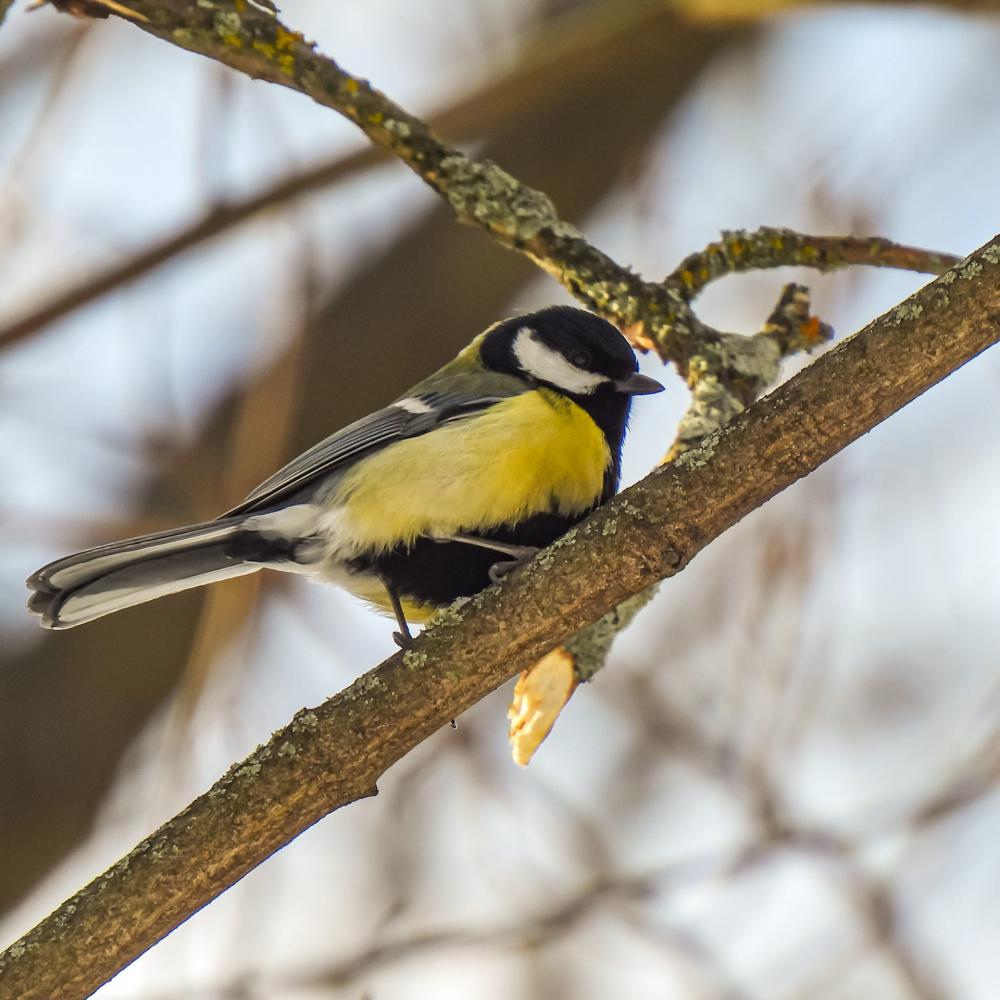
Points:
(501, 569)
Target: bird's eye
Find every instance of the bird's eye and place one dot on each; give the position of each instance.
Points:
(580, 358)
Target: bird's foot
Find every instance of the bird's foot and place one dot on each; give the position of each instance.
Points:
(501, 569)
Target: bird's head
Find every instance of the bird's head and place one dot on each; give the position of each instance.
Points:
(566, 349)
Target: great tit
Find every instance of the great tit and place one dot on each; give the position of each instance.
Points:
(430, 499)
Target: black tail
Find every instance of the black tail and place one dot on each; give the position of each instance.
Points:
(88, 585)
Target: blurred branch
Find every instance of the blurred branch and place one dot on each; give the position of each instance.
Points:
(566, 51)
(526, 932)
(5, 5)
(251, 39)
(739, 11)
(334, 754)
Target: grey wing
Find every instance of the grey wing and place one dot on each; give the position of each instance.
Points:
(406, 418)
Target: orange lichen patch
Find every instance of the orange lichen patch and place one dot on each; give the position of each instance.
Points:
(351, 85)
(635, 334)
(736, 248)
(811, 330)
(777, 243)
(808, 252)
(687, 277)
(540, 695)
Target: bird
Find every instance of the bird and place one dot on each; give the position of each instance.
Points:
(431, 499)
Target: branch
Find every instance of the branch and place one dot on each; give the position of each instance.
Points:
(741, 11)
(568, 50)
(251, 39)
(334, 754)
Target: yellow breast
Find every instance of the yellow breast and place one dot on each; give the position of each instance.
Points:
(531, 454)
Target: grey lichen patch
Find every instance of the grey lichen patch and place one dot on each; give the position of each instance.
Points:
(991, 254)
(65, 914)
(119, 868)
(712, 405)
(610, 527)
(248, 771)
(414, 660)
(615, 298)
(397, 128)
(590, 646)
(227, 24)
(304, 721)
(365, 686)
(636, 513)
(488, 195)
(545, 558)
(712, 372)
(905, 312)
(162, 851)
(287, 749)
(569, 538)
(752, 358)
(970, 269)
(20, 948)
(702, 455)
(449, 616)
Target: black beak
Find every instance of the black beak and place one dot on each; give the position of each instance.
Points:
(638, 385)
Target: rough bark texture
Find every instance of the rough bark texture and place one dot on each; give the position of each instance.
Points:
(334, 754)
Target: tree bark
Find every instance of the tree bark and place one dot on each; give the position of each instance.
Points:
(334, 754)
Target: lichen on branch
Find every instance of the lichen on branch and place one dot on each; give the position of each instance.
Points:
(250, 38)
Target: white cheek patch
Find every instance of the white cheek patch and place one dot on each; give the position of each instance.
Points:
(550, 366)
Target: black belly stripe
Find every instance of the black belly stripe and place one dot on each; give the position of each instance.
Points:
(439, 572)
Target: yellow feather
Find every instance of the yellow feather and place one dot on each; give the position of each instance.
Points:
(533, 453)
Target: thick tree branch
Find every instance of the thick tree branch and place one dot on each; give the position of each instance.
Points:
(334, 754)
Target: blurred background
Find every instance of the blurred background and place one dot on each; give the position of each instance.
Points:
(784, 785)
